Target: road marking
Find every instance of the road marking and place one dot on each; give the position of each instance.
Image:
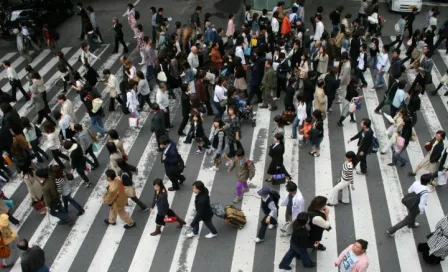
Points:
(404, 238)
(291, 163)
(244, 251)
(135, 4)
(147, 245)
(362, 212)
(186, 247)
(14, 65)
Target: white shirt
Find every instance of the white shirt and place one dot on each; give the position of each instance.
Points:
(319, 31)
(53, 142)
(131, 101)
(298, 204)
(24, 31)
(240, 53)
(132, 72)
(301, 112)
(417, 188)
(11, 74)
(433, 21)
(87, 55)
(220, 94)
(193, 60)
(162, 99)
(382, 61)
(275, 25)
(361, 61)
(67, 109)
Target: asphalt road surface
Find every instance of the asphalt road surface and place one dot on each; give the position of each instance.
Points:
(375, 204)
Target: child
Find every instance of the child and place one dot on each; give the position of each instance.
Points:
(305, 131)
(198, 133)
(218, 142)
(243, 173)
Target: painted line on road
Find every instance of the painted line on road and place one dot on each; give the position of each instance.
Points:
(14, 65)
(404, 238)
(244, 251)
(135, 4)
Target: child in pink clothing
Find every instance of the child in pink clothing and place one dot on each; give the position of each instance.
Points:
(354, 258)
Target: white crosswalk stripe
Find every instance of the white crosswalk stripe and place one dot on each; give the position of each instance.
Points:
(374, 206)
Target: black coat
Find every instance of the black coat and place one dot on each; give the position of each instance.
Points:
(158, 123)
(436, 153)
(204, 211)
(186, 106)
(309, 87)
(364, 141)
(331, 85)
(258, 71)
(77, 159)
(289, 98)
(118, 29)
(11, 121)
(161, 201)
(355, 46)
(276, 154)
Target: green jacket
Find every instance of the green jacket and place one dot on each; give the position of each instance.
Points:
(51, 194)
(269, 80)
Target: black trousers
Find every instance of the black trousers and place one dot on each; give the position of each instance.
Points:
(183, 124)
(362, 160)
(174, 175)
(82, 173)
(254, 90)
(120, 40)
(57, 155)
(15, 83)
(360, 76)
(419, 79)
(90, 152)
(167, 117)
(112, 102)
(281, 86)
(43, 114)
(232, 149)
(142, 99)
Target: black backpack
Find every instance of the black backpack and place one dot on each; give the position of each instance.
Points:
(412, 200)
(137, 15)
(275, 197)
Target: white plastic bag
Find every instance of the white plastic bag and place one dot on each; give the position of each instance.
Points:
(134, 122)
(441, 178)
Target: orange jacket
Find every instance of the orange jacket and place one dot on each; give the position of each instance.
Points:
(306, 130)
(286, 26)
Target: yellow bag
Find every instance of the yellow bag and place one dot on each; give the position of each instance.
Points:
(254, 42)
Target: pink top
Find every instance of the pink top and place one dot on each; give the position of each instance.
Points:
(230, 28)
(345, 261)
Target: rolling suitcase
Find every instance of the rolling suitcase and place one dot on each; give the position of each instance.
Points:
(235, 217)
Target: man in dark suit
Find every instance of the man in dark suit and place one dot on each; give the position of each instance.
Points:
(365, 140)
(158, 123)
(118, 30)
(172, 161)
(84, 19)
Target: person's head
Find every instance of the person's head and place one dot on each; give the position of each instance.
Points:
(158, 185)
(84, 46)
(153, 10)
(198, 187)
(240, 153)
(318, 203)
(360, 246)
(218, 123)
(6, 63)
(29, 69)
(317, 114)
(60, 55)
(301, 220)
(345, 57)
(350, 156)
(232, 110)
(110, 175)
(25, 122)
(139, 28)
(278, 138)
(196, 117)
(112, 148)
(57, 171)
(402, 84)
(268, 64)
(113, 134)
(23, 245)
(68, 144)
(79, 5)
(334, 70)
(440, 135)
(318, 18)
(78, 127)
(278, 120)
(48, 127)
(292, 81)
(385, 48)
(366, 123)
(320, 83)
(90, 9)
(106, 73)
(264, 192)
(222, 80)
(291, 188)
(304, 58)
(42, 174)
(130, 6)
(155, 107)
(164, 141)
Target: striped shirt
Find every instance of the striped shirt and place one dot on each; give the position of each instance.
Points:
(61, 184)
(347, 172)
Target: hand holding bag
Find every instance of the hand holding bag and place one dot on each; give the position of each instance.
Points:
(161, 76)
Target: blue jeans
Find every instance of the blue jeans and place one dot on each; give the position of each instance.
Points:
(335, 29)
(97, 123)
(56, 210)
(219, 108)
(44, 268)
(295, 126)
(69, 199)
(290, 254)
(398, 157)
(149, 74)
(379, 79)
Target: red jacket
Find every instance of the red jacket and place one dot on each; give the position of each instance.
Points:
(201, 90)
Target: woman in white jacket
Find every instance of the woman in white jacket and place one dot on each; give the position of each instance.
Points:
(300, 115)
(131, 99)
(295, 204)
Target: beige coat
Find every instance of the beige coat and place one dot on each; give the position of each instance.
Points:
(113, 86)
(322, 65)
(113, 162)
(116, 196)
(320, 101)
(33, 186)
(67, 109)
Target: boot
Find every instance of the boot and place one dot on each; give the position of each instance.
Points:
(157, 231)
(181, 223)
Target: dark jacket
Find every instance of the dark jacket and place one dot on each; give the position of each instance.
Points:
(355, 46)
(414, 104)
(171, 156)
(395, 68)
(289, 98)
(391, 91)
(185, 102)
(436, 153)
(11, 121)
(4, 97)
(84, 16)
(197, 131)
(77, 159)
(204, 211)
(282, 70)
(276, 154)
(161, 201)
(91, 76)
(331, 85)
(258, 71)
(50, 193)
(201, 90)
(158, 123)
(300, 238)
(118, 30)
(32, 260)
(335, 18)
(296, 58)
(309, 87)
(365, 139)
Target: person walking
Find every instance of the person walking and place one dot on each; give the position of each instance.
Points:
(132, 20)
(22, 47)
(345, 182)
(33, 186)
(245, 170)
(52, 198)
(67, 108)
(86, 141)
(269, 84)
(4, 209)
(78, 161)
(95, 112)
(435, 148)
(319, 220)
(127, 173)
(84, 19)
(113, 87)
(269, 206)
(93, 21)
(163, 101)
(116, 198)
(299, 244)
(14, 81)
(164, 213)
(32, 135)
(8, 237)
(143, 91)
(204, 211)
(365, 143)
(435, 249)
(295, 204)
(65, 189)
(38, 102)
(53, 143)
(172, 162)
(354, 257)
(118, 31)
(158, 123)
(32, 259)
(420, 190)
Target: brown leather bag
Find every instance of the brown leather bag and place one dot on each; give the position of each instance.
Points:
(5, 251)
(288, 115)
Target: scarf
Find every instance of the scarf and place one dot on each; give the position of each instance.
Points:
(438, 242)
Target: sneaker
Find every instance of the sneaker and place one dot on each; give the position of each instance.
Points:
(80, 213)
(271, 226)
(198, 151)
(106, 221)
(211, 235)
(215, 168)
(130, 226)
(390, 233)
(258, 240)
(237, 199)
(191, 235)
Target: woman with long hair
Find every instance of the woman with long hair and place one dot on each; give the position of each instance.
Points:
(233, 128)
(276, 169)
(115, 139)
(65, 189)
(127, 173)
(131, 99)
(319, 219)
(140, 43)
(31, 135)
(114, 156)
(197, 132)
(9, 238)
(218, 142)
(32, 184)
(164, 213)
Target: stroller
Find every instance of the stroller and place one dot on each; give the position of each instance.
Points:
(245, 112)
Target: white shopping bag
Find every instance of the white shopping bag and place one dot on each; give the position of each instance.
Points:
(134, 122)
(441, 178)
(390, 130)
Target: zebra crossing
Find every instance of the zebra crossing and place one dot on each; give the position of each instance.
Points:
(375, 203)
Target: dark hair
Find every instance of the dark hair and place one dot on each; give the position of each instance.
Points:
(111, 147)
(68, 144)
(317, 114)
(113, 134)
(240, 152)
(301, 220)
(23, 245)
(5, 108)
(140, 75)
(7, 63)
(153, 9)
(77, 127)
(90, 9)
(317, 203)
(42, 173)
(25, 122)
(159, 182)
(363, 243)
(111, 174)
(279, 137)
(57, 114)
(320, 83)
(199, 185)
(29, 69)
(367, 122)
(106, 72)
(164, 140)
(62, 97)
(401, 84)
(49, 127)
(57, 171)
(350, 155)
(291, 187)
(155, 107)
(441, 133)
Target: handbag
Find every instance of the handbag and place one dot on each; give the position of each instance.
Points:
(161, 76)
(172, 219)
(409, 43)
(133, 122)
(5, 251)
(248, 51)
(428, 145)
(352, 107)
(288, 115)
(9, 203)
(399, 144)
(39, 205)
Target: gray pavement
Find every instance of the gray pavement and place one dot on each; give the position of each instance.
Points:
(91, 246)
